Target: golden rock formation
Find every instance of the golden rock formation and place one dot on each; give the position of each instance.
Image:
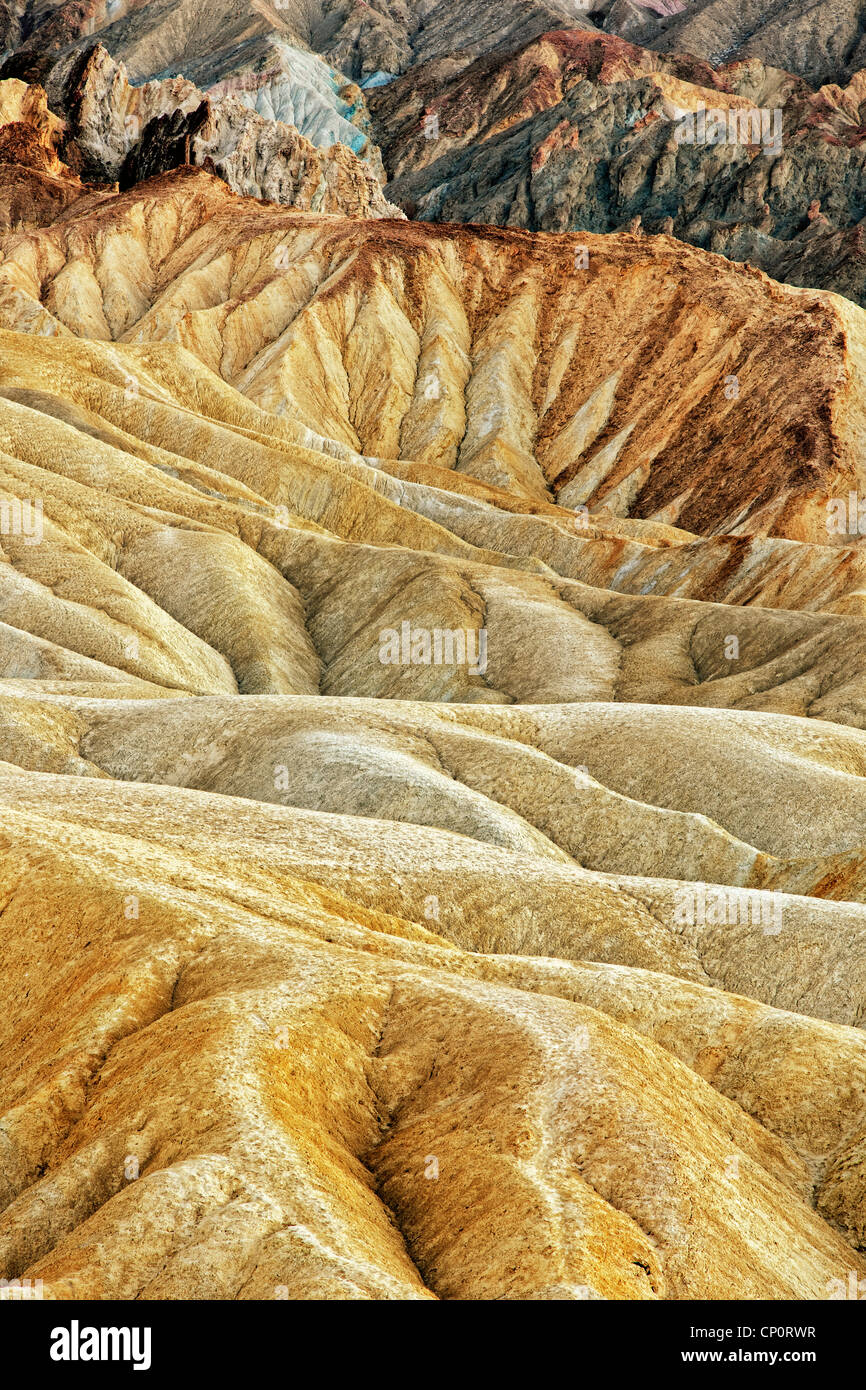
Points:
(433, 738)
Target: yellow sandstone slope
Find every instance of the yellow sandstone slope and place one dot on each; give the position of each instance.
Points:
(321, 1096)
(332, 974)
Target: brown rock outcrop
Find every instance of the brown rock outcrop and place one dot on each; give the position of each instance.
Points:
(36, 182)
(580, 369)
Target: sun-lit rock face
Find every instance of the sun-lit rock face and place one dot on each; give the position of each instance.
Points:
(576, 370)
(432, 751)
(274, 1076)
(126, 133)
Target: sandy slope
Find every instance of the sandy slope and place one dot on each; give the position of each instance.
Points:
(325, 976)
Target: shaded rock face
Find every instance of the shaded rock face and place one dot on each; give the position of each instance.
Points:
(578, 131)
(297, 63)
(336, 969)
(823, 43)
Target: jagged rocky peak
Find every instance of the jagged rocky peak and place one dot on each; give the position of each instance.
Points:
(118, 132)
(580, 130)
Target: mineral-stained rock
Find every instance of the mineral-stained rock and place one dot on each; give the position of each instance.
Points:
(288, 84)
(432, 757)
(130, 133)
(582, 131)
(579, 369)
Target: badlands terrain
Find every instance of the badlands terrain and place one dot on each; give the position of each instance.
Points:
(575, 130)
(432, 700)
(548, 115)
